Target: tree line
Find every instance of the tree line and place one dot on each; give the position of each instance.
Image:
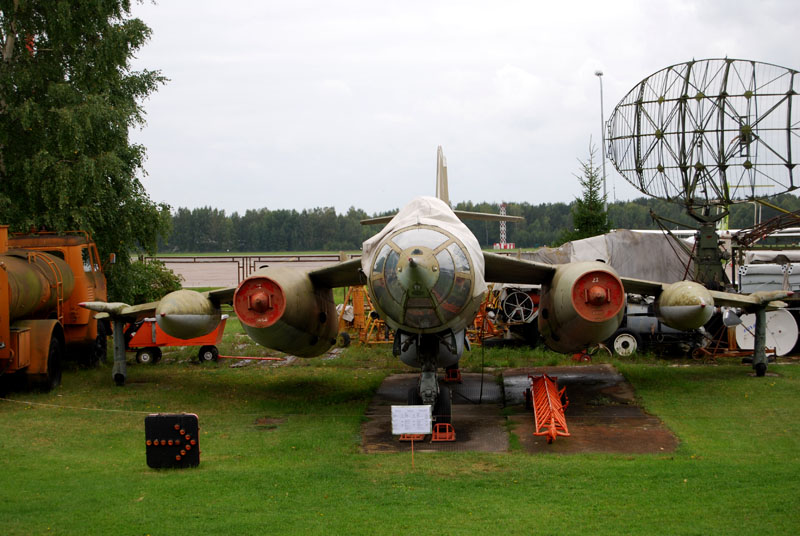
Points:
(209, 229)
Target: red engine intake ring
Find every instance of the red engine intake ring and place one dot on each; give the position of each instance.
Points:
(598, 296)
(259, 302)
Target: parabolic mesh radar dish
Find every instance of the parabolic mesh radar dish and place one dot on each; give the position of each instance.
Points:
(709, 132)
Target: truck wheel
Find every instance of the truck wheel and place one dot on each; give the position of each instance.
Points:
(151, 354)
(99, 351)
(52, 379)
(208, 353)
(625, 343)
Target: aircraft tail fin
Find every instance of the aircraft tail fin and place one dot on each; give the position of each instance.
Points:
(443, 194)
(441, 176)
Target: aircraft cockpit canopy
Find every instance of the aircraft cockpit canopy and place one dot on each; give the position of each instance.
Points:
(421, 278)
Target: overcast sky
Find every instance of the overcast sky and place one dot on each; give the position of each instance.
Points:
(302, 104)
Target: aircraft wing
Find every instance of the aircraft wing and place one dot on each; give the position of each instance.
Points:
(119, 310)
(504, 269)
(220, 295)
(343, 274)
(132, 313)
(727, 299)
(462, 215)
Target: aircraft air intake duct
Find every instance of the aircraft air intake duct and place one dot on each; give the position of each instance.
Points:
(685, 305)
(280, 308)
(33, 281)
(583, 304)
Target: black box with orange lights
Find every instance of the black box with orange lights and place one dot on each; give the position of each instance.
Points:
(172, 440)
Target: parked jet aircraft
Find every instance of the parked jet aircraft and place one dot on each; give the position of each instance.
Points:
(426, 275)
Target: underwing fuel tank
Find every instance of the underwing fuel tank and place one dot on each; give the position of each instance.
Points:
(187, 314)
(583, 304)
(684, 305)
(280, 308)
(32, 281)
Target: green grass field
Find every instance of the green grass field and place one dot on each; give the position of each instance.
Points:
(74, 460)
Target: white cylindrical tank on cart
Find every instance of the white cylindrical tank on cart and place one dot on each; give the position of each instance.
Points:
(781, 331)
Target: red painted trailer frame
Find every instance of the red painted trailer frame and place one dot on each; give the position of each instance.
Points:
(149, 338)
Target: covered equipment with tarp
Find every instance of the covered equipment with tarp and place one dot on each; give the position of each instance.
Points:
(654, 256)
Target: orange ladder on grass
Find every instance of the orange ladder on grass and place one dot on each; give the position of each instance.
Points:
(548, 410)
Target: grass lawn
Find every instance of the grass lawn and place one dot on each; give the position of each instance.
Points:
(74, 459)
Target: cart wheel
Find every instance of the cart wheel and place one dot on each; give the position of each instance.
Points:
(207, 353)
(343, 340)
(625, 343)
(150, 355)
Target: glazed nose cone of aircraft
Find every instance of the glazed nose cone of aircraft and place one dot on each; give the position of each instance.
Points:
(418, 273)
(422, 280)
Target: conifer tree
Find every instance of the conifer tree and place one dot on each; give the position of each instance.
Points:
(589, 217)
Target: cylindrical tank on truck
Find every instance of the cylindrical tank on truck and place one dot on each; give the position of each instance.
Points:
(43, 278)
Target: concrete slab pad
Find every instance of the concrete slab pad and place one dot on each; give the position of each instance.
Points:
(602, 415)
(479, 427)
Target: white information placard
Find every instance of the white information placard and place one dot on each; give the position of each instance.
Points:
(412, 419)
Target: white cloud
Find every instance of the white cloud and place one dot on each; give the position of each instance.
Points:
(336, 87)
(304, 103)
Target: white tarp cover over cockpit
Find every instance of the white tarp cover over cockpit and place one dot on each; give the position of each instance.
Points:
(434, 212)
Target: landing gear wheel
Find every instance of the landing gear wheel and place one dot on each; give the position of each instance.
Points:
(151, 354)
(442, 410)
(625, 343)
(413, 397)
(343, 340)
(208, 353)
(761, 369)
(52, 378)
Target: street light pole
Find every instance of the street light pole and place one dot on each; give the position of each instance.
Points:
(599, 75)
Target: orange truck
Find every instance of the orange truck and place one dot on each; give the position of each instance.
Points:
(43, 278)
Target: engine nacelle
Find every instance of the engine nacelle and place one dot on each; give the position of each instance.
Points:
(685, 305)
(280, 308)
(583, 305)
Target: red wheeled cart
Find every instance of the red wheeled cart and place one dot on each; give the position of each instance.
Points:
(148, 337)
